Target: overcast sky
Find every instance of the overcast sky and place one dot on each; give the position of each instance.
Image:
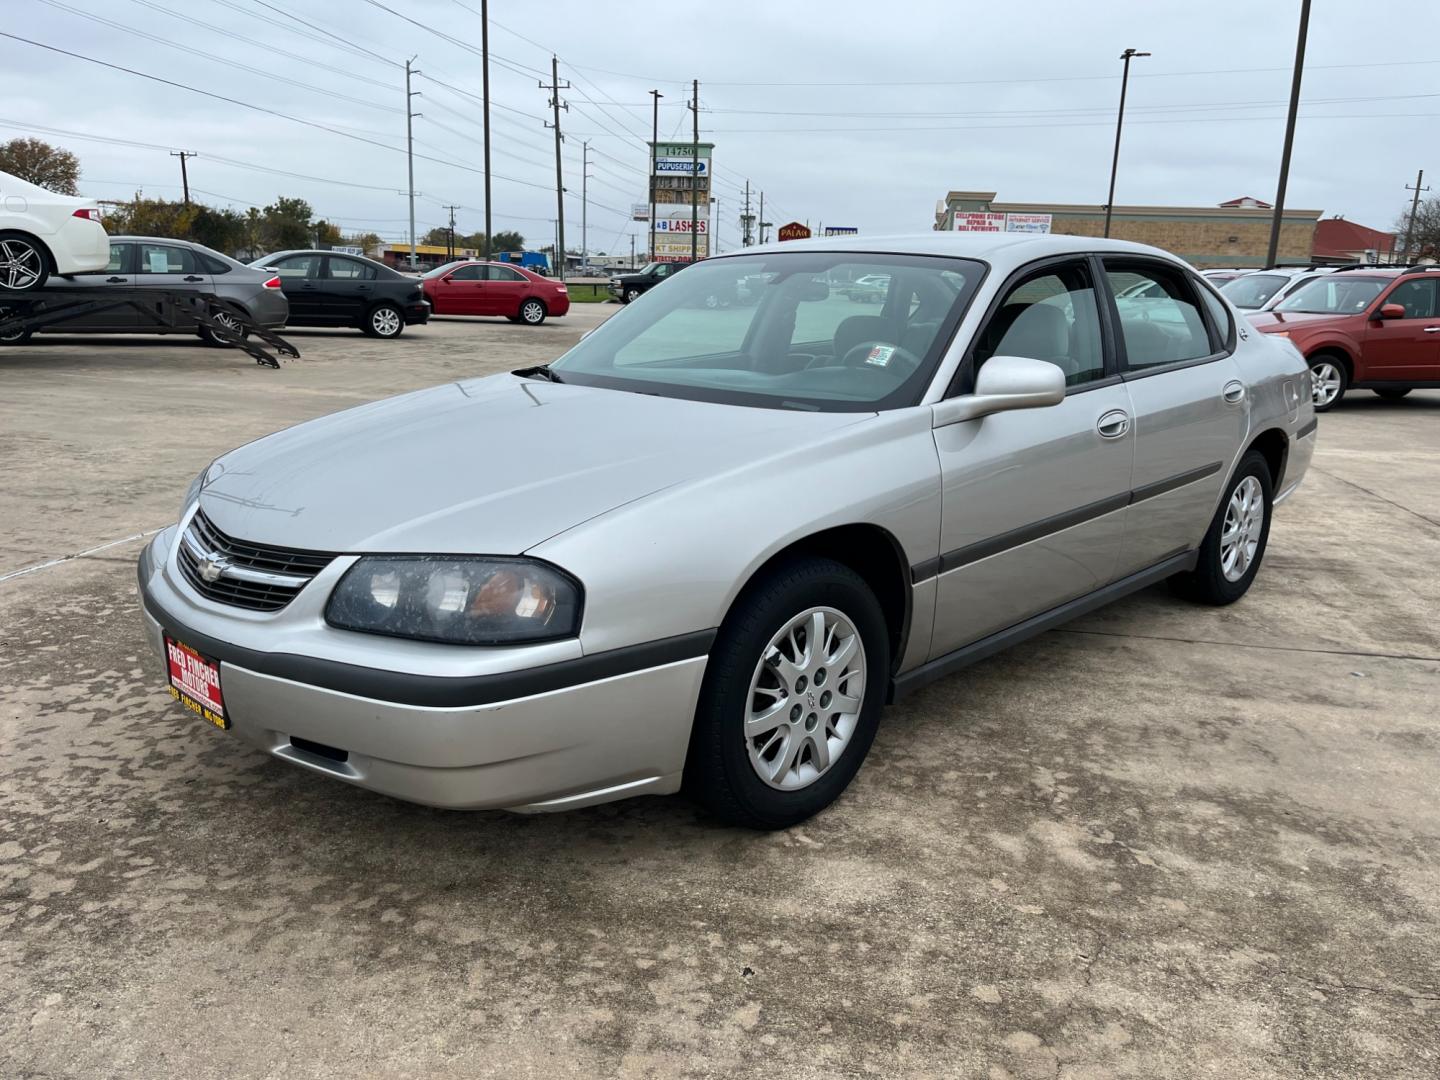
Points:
(845, 113)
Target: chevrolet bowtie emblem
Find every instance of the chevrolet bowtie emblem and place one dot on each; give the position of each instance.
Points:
(212, 566)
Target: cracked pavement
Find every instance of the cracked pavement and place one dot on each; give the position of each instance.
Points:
(1165, 841)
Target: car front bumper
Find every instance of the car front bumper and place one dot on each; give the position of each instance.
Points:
(544, 749)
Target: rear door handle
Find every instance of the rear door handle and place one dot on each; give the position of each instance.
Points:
(1234, 392)
(115, 280)
(1113, 424)
(1432, 329)
(193, 277)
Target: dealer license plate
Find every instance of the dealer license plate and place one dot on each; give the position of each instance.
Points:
(195, 682)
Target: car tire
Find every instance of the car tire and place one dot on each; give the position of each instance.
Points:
(17, 337)
(238, 321)
(1235, 543)
(1329, 379)
(632, 294)
(24, 262)
(383, 321)
(723, 769)
(532, 312)
(1393, 393)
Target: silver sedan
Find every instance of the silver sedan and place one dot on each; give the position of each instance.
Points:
(706, 546)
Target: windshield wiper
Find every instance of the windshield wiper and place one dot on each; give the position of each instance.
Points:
(539, 371)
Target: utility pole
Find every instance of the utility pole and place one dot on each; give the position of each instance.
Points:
(485, 108)
(695, 173)
(184, 177)
(1289, 133)
(585, 203)
(556, 104)
(715, 227)
(410, 151)
(1119, 123)
(450, 246)
(763, 222)
(1414, 212)
(746, 220)
(632, 251)
(650, 168)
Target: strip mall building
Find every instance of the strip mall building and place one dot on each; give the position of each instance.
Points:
(1236, 233)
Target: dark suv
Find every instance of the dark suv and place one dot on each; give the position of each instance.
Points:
(1363, 329)
(629, 287)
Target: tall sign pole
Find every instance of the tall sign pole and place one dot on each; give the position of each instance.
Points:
(695, 172)
(650, 168)
(485, 109)
(556, 104)
(1119, 123)
(585, 202)
(1289, 134)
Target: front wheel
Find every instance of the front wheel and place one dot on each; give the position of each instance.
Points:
(1393, 393)
(792, 696)
(1235, 543)
(1328, 382)
(631, 295)
(532, 312)
(384, 321)
(23, 265)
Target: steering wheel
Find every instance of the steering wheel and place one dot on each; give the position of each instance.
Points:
(881, 356)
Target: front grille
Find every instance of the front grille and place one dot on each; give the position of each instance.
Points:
(242, 573)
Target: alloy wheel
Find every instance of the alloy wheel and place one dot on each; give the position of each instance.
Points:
(227, 321)
(21, 264)
(386, 322)
(805, 698)
(532, 312)
(1325, 382)
(1244, 522)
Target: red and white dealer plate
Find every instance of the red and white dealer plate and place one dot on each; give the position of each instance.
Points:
(195, 682)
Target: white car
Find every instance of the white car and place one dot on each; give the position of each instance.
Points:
(42, 233)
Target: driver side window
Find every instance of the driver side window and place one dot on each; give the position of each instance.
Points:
(1052, 316)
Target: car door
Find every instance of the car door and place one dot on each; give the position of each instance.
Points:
(1034, 501)
(347, 288)
(1190, 406)
(460, 291)
(118, 273)
(300, 280)
(503, 290)
(160, 265)
(1406, 349)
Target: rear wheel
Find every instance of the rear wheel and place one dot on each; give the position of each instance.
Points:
(532, 312)
(14, 337)
(227, 320)
(24, 263)
(1393, 393)
(1328, 381)
(792, 696)
(1230, 554)
(384, 321)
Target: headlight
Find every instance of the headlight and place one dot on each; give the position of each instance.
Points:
(460, 601)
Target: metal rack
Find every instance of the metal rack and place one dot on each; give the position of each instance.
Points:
(38, 308)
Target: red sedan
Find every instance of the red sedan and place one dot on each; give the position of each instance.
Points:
(471, 287)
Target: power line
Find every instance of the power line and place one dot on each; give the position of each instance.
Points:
(511, 65)
(343, 42)
(1071, 124)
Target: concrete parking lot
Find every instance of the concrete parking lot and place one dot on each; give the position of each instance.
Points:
(1165, 841)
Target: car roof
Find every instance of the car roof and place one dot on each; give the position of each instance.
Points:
(1002, 250)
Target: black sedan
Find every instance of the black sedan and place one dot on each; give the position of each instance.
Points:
(328, 288)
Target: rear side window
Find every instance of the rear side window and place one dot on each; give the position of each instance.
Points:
(1219, 316)
(213, 265)
(504, 273)
(1161, 326)
(350, 270)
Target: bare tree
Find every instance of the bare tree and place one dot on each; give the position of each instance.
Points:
(1425, 238)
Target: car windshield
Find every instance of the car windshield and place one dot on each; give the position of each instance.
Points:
(1333, 296)
(784, 330)
(1252, 290)
(444, 268)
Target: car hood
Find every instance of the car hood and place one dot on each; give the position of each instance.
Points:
(1272, 322)
(493, 465)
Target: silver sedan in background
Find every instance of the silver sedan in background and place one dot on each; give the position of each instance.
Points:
(705, 547)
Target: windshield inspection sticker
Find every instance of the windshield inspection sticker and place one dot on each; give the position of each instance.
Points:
(880, 355)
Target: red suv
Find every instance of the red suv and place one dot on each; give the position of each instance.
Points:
(1363, 329)
(471, 287)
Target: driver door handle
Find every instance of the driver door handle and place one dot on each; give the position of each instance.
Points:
(1114, 424)
(1432, 329)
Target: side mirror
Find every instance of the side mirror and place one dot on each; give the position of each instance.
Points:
(1391, 311)
(1005, 383)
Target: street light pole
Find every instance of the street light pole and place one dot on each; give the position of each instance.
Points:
(1119, 123)
(650, 168)
(485, 115)
(410, 150)
(1289, 134)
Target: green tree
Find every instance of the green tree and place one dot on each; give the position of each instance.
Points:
(40, 163)
(369, 242)
(506, 241)
(285, 223)
(440, 236)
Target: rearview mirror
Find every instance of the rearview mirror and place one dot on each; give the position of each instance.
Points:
(1391, 311)
(1005, 383)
